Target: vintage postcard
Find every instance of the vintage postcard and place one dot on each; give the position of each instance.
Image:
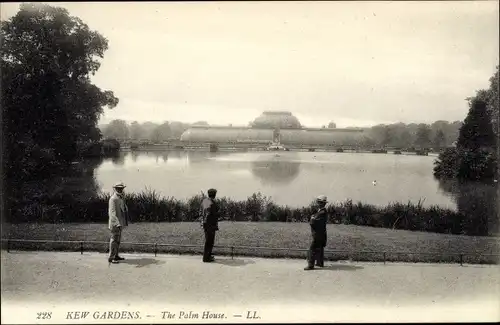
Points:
(250, 162)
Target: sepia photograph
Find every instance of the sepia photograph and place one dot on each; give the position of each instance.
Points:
(250, 162)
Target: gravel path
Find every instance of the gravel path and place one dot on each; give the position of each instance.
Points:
(276, 289)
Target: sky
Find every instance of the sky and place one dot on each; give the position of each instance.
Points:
(353, 63)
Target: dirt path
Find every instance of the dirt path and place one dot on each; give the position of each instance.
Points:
(60, 282)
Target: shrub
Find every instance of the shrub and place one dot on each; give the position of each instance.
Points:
(149, 206)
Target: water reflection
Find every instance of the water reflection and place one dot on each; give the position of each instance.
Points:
(275, 171)
(288, 177)
(119, 160)
(134, 155)
(477, 202)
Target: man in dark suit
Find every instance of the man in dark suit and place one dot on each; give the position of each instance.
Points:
(209, 222)
(318, 230)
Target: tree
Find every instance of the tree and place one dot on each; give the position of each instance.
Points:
(201, 123)
(332, 125)
(149, 128)
(136, 131)
(473, 158)
(477, 131)
(439, 139)
(116, 129)
(490, 97)
(177, 129)
(423, 136)
(162, 133)
(50, 107)
(405, 139)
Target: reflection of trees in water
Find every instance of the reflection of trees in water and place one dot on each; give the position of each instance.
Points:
(67, 187)
(477, 202)
(277, 172)
(118, 160)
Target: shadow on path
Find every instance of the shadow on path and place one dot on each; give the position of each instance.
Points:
(337, 267)
(234, 262)
(141, 262)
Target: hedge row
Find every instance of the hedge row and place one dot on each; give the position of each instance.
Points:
(148, 206)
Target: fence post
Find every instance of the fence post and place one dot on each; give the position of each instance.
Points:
(384, 258)
(8, 245)
(81, 248)
(461, 259)
(232, 252)
(156, 249)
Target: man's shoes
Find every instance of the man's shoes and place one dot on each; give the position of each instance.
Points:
(119, 258)
(113, 261)
(209, 260)
(320, 265)
(308, 268)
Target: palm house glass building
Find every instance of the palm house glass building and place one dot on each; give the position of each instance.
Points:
(273, 126)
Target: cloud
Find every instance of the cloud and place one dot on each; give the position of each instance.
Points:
(341, 61)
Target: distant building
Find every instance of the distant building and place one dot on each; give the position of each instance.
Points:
(275, 126)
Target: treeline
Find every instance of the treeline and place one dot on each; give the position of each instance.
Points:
(148, 131)
(436, 135)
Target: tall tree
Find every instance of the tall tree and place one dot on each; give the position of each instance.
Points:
(117, 129)
(50, 107)
(439, 139)
(405, 139)
(423, 136)
(332, 125)
(162, 133)
(477, 131)
(136, 131)
(490, 97)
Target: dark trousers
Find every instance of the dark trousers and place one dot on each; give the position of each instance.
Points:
(209, 244)
(316, 253)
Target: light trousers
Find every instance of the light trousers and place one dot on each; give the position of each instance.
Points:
(114, 243)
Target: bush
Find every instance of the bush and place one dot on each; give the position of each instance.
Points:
(149, 206)
(462, 164)
(110, 147)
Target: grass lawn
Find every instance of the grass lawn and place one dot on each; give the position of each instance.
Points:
(355, 242)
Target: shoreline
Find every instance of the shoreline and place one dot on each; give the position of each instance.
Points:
(150, 206)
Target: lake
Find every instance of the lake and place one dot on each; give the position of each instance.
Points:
(289, 178)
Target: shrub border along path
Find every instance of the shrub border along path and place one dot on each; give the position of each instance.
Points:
(261, 239)
(149, 206)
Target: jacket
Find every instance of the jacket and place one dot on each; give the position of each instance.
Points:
(117, 212)
(318, 225)
(209, 214)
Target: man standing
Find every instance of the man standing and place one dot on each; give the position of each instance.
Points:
(318, 229)
(118, 219)
(209, 222)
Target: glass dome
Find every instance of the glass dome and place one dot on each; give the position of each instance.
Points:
(276, 119)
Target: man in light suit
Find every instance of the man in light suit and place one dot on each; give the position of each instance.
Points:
(118, 219)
